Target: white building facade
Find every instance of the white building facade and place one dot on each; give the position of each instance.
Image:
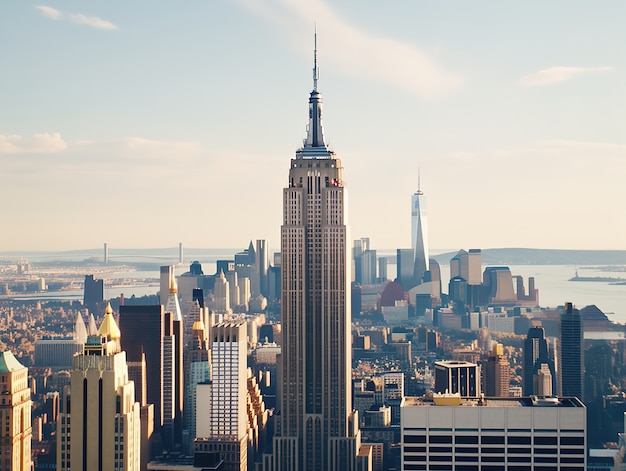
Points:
(493, 434)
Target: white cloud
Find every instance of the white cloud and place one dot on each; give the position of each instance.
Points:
(50, 12)
(558, 74)
(43, 143)
(357, 52)
(92, 21)
(79, 18)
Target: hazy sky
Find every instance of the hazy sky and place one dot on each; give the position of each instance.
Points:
(145, 124)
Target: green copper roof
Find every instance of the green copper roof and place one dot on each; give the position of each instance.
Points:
(9, 363)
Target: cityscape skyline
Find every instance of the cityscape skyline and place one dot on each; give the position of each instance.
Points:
(122, 114)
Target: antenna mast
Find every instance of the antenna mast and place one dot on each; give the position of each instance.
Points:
(419, 186)
(315, 71)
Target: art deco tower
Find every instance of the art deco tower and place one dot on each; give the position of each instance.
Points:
(419, 234)
(316, 429)
(16, 433)
(105, 427)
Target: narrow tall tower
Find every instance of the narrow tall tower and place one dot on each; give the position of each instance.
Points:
(419, 234)
(316, 429)
(571, 360)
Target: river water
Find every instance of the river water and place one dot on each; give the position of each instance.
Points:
(552, 281)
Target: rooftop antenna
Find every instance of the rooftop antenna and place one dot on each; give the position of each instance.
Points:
(315, 71)
(419, 186)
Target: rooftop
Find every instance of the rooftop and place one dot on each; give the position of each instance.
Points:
(531, 401)
(9, 363)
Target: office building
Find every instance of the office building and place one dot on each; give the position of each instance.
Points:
(165, 282)
(382, 270)
(405, 263)
(419, 235)
(56, 353)
(393, 387)
(151, 331)
(457, 377)
(368, 267)
(221, 423)
(16, 433)
(173, 373)
(221, 294)
(199, 372)
(263, 265)
(498, 286)
(99, 426)
(316, 428)
(497, 373)
(508, 434)
(93, 294)
(245, 266)
(571, 352)
(536, 355)
(544, 380)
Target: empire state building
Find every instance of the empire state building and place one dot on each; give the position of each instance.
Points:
(316, 429)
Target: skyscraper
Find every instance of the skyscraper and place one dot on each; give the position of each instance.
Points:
(316, 427)
(173, 390)
(497, 373)
(100, 427)
(419, 234)
(535, 356)
(158, 334)
(263, 265)
(571, 362)
(93, 294)
(222, 421)
(199, 371)
(16, 432)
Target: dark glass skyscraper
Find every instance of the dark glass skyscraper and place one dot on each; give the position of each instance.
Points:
(571, 362)
(152, 331)
(535, 355)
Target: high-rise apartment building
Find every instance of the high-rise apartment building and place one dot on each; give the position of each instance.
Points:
(419, 234)
(316, 427)
(99, 426)
(571, 360)
(16, 432)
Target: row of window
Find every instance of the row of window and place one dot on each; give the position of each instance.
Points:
(494, 440)
(464, 467)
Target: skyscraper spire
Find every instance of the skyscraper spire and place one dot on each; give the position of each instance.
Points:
(173, 305)
(315, 71)
(317, 429)
(419, 233)
(419, 186)
(314, 145)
